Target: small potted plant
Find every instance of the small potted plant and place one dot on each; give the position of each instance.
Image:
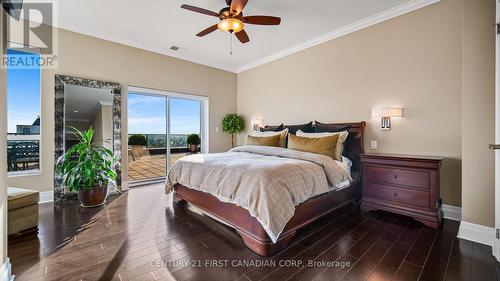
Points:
(193, 141)
(233, 124)
(137, 140)
(88, 169)
(138, 147)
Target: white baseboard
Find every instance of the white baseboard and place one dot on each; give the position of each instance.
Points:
(452, 212)
(46, 196)
(5, 271)
(476, 233)
(125, 186)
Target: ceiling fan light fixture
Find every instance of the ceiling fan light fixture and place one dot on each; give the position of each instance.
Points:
(231, 25)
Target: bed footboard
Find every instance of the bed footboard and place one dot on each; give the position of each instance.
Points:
(251, 231)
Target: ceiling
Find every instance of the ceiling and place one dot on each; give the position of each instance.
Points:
(156, 25)
(81, 103)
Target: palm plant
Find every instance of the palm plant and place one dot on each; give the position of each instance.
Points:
(86, 166)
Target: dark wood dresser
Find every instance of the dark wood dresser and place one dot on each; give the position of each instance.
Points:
(407, 185)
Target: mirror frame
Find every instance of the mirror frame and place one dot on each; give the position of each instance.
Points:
(59, 106)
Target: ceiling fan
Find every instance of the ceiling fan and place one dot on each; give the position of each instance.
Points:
(232, 19)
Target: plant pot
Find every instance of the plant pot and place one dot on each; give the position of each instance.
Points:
(193, 148)
(93, 197)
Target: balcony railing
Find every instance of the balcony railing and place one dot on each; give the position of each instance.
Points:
(160, 140)
(146, 163)
(23, 152)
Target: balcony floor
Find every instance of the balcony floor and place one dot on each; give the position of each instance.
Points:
(151, 167)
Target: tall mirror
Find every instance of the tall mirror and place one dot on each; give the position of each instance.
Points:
(89, 108)
(83, 104)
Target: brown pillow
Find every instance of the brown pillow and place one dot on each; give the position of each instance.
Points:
(272, 128)
(264, 141)
(330, 128)
(282, 135)
(308, 128)
(325, 145)
(339, 148)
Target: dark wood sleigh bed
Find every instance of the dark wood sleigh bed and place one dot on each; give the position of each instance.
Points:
(251, 231)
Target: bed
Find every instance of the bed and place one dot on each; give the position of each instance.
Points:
(264, 237)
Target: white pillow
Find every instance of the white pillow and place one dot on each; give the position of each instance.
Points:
(300, 133)
(339, 148)
(283, 134)
(346, 163)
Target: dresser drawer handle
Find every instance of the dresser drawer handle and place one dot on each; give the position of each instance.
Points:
(395, 176)
(395, 194)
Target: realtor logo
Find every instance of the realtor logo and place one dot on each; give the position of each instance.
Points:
(27, 29)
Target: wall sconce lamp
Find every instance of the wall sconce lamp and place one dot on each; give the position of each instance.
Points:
(385, 115)
(257, 124)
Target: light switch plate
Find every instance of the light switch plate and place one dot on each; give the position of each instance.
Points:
(216, 129)
(374, 144)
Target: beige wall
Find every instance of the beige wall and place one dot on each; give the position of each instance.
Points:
(478, 112)
(413, 61)
(436, 62)
(92, 58)
(3, 159)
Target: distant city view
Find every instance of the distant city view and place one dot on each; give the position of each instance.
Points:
(159, 140)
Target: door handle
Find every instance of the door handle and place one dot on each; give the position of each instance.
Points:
(497, 27)
(494, 146)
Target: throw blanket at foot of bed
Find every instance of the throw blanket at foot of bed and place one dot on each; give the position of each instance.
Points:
(267, 181)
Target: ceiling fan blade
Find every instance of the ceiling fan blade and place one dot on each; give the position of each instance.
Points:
(262, 20)
(242, 36)
(200, 10)
(237, 6)
(207, 31)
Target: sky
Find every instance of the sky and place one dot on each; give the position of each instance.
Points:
(147, 115)
(23, 95)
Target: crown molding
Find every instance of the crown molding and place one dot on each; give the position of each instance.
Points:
(402, 9)
(135, 44)
(105, 103)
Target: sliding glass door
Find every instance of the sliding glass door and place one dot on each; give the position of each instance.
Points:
(185, 127)
(147, 137)
(162, 128)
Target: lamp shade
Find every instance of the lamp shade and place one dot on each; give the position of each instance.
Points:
(387, 112)
(231, 25)
(256, 123)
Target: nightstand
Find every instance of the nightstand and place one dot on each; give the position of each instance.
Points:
(407, 185)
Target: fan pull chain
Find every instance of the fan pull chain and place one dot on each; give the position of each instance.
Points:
(230, 43)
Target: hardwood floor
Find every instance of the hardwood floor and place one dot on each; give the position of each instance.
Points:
(142, 235)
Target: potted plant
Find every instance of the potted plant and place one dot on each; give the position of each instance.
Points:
(193, 141)
(139, 140)
(233, 124)
(88, 169)
(138, 147)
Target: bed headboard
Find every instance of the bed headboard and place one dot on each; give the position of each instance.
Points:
(354, 146)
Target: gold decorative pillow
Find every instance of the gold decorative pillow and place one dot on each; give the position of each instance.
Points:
(339, 149)
(283, 134)
(264, 141)
(325, 145)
